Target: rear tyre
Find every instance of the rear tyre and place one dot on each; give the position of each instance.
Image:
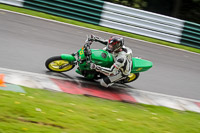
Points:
(56, 64)
(131, 77)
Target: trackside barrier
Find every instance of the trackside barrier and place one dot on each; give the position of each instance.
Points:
(140, 31)
(13, 2)
(82, 10)
(119, 17)
(150, 24)
(142, 22)
(191, 35)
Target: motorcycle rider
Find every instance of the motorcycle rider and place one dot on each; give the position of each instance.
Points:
(122, 60)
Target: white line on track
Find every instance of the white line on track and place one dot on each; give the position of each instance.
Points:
(95, 30)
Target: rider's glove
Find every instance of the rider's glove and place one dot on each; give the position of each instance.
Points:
(94, 38)
(98, 68)
(94, 66)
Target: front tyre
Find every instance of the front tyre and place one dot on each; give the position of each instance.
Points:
(57, 64)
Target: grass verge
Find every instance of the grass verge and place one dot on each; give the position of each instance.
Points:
(55, 112)
(48, 16)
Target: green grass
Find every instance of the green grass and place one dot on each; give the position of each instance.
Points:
(55, 112)
(48, 16)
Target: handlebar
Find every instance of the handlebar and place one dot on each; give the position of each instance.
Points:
(87, 50)
(89, 40)
(87, 44)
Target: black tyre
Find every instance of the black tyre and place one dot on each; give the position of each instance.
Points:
(55, 64)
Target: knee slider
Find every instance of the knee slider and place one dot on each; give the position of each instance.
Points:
(105, 82)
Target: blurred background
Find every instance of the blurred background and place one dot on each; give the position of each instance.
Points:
(183, 9)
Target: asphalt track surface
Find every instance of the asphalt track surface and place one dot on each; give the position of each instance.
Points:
(26, 42)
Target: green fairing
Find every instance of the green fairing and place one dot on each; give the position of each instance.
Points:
(102, 58)
(82, 65)
(140, 65)
(99, 57)
(105, 59)
(68, 57)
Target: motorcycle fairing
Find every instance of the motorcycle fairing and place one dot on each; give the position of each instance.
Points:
(140, 65)
(105, 59)
(102, 57)
(68, 57)
(98, 56)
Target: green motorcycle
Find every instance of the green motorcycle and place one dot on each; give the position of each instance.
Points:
(85, 56)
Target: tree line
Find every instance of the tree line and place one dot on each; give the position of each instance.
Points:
(183, 9)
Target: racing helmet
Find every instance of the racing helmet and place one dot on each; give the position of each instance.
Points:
(115, 43)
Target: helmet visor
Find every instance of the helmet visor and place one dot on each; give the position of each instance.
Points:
(110, 48)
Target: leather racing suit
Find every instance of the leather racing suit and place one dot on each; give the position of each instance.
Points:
(121, 67)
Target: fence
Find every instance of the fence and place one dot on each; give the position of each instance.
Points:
(141, 22)
(13, 2)
(119, 17)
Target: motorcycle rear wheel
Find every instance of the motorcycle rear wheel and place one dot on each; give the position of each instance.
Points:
(55, 64)
(131, 77)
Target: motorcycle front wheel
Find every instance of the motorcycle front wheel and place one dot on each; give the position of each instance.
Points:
(57, 64)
